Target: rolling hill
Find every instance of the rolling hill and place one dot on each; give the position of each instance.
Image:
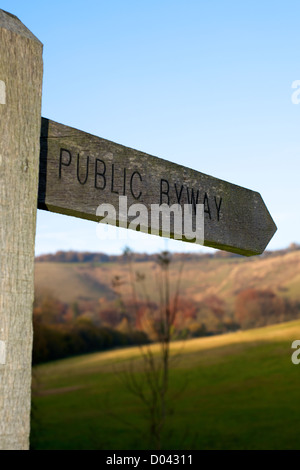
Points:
(202, 276)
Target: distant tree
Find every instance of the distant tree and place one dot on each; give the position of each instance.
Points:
(62, 330)
(48, 309)
(109, 315)
(216, 305)
(262, 307)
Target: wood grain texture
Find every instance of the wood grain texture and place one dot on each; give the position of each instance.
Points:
(79, 171)
(21, 71)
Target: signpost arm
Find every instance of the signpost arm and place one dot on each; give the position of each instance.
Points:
(21, 71)
(79, 171)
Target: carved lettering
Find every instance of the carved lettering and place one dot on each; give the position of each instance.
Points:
(206, 205)
(164, 182)
(62, 161)
(122, 180)
(191, 199)
(131, 184)
(112, 179)
(86, 171)
(180, 193)
(218, 206)
(100, 174)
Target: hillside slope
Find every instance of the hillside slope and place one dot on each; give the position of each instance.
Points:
(202, 277)
(241, 392)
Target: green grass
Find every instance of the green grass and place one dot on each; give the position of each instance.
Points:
(242, 392)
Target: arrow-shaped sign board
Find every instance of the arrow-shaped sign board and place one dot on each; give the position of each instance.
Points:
(80, 172)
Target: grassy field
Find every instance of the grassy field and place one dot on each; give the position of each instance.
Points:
(242, 392)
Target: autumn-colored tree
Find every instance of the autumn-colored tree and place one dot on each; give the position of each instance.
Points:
(262, 307)
(62, 330)
(216, 305)
(48, 309)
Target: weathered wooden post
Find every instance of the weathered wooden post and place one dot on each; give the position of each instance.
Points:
(21, 71)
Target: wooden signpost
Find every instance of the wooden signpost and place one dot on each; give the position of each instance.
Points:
(71, 172)
(79, 171)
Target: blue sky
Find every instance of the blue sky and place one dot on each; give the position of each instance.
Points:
(206, 84)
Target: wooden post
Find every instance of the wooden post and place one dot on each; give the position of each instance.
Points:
(21, 71)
